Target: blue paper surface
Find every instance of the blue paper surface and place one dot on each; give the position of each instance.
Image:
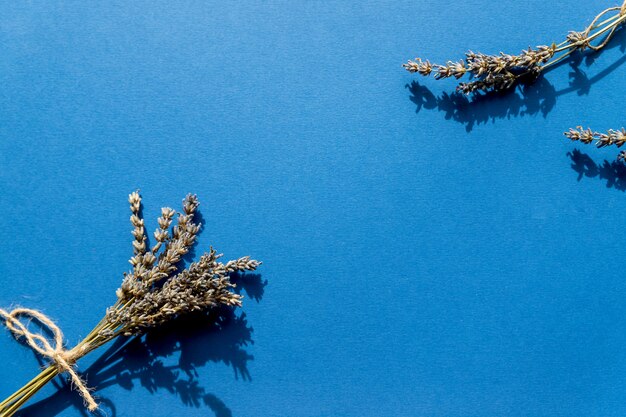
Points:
(419, 260)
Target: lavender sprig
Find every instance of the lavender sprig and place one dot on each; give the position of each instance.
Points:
(587, 136)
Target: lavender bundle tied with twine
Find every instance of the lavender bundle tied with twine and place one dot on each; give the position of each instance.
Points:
(153, 293)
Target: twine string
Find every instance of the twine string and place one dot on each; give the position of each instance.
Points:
(586, 43)
(63, 359)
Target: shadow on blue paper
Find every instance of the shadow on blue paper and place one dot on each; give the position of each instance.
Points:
(612, 173)
(220, 336)
(530, 97)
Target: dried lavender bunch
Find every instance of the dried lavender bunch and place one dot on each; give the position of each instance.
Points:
(502, 71)
(153, 293)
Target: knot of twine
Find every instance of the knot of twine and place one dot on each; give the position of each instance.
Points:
(63, 359)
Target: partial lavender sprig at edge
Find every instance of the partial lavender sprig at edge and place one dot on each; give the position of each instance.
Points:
(503, 71)
(601, 139)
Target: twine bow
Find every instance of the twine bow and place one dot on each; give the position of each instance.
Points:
(63, 359)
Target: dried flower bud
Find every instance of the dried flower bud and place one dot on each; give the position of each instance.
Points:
(578, 40)
(136, 221)
(167, 213)
(148, 260)
(160, 235)
(618, 137)
(135, 201)
(421, 67)
(580, 134)
(190, 203)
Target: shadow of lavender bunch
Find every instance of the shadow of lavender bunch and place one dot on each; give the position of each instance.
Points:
(532, 96)
(526, 99)
(220, 336)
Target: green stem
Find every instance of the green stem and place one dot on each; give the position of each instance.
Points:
(563, 46)
(92, 341)
(25, 397)
(573, 47)
(24, 388)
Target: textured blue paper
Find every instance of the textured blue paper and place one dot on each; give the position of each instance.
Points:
(419, 259)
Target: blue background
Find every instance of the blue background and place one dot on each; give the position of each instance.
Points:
(422, 257)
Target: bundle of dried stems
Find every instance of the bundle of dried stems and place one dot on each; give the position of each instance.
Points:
(503, 71)
(150, 295)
